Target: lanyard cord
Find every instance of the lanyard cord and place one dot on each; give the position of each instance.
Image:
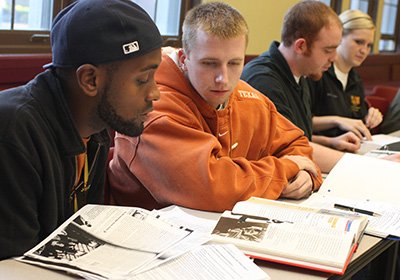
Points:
(85, 180)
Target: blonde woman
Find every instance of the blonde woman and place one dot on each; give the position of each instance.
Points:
(338, 98)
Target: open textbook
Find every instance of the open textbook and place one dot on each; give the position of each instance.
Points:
(115, 242)
(296, 235)
(364, 184)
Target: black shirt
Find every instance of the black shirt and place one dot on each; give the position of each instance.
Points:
(270, 74)
(329, 98)
(39, 143)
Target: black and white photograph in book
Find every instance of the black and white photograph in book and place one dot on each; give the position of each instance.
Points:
(245, 229)
(70, 244)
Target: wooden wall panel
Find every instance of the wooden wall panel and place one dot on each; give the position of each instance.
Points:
(377, 69)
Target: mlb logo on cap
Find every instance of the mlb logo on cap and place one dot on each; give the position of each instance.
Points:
(131, 47)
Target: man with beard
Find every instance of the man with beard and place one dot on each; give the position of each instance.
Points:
(310, 35)
(53, 139)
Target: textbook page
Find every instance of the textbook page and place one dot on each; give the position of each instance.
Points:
(128, 227)
(201, 233)
(99, 240)
(385, 223)
(291, 234)
(179, 217)
(363, 178)
(311, 244)
(211, 262)
(293, 213)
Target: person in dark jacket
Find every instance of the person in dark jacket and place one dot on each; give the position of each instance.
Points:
(310, 35)
(53, 131)
(391, 122)
(338, 98)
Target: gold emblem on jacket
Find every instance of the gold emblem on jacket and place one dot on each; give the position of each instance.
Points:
(355, 103)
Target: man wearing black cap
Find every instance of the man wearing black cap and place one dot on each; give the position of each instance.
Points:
(53, 138)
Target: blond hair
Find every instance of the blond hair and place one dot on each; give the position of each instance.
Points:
(214, 18)
(355, 19)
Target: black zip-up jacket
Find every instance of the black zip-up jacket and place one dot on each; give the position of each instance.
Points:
(38, 147)
(330, 99)
(271, 74)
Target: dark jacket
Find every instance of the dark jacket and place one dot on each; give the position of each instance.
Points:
(329, 98)
(391, 121)
(38, 145)
(271, 75)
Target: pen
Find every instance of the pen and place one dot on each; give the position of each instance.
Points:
(385, 152)
(357, 210)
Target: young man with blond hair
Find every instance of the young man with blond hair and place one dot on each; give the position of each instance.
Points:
(212, 140)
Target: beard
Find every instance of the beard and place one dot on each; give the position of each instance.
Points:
(315, 76)
(107, 113)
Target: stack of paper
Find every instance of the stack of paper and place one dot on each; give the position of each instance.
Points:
(114, 242)
(364, 183)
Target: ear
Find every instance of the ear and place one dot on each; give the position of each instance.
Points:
(181, 59)
(87, 78)
(300, 46)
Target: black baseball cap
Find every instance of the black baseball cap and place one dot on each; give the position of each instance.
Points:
(101, 31)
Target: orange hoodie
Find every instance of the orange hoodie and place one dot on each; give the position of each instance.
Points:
(192, 155)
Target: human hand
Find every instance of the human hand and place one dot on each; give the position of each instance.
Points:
(299, 187)
(304, 163)
(393, 157)
(373, 118)
(354, 125)
(346, 142)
